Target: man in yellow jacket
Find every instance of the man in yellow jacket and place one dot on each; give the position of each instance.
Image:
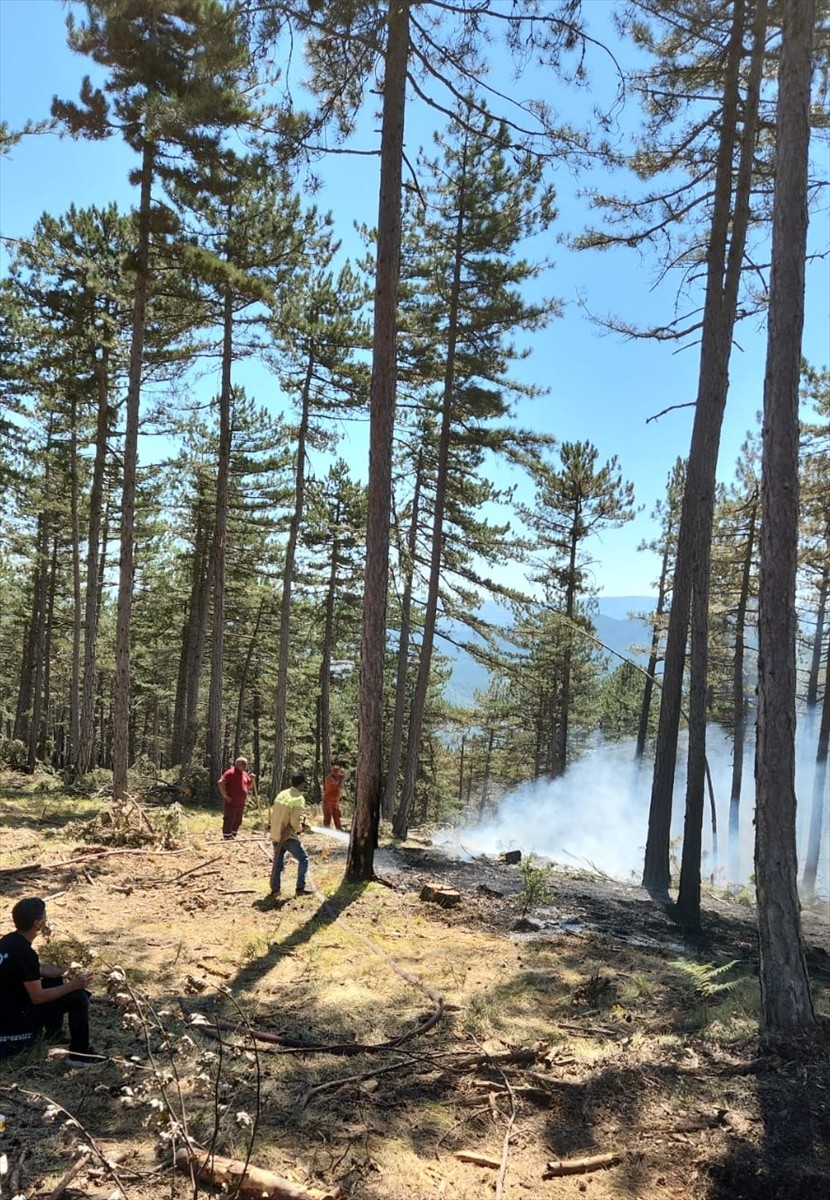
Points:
(286, 824)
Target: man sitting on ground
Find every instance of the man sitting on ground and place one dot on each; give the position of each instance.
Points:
(33, 995)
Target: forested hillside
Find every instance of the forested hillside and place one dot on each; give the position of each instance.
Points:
(192, 569)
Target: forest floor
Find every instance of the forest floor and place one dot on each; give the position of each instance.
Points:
(417, 1052)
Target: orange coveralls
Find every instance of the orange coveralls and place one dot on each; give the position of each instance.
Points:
(332, 787)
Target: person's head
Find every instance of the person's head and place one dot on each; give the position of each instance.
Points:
(241, 763)
(28, 913)
(338, 772)
(298, 779)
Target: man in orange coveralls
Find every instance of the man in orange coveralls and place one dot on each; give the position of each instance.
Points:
(332, 787)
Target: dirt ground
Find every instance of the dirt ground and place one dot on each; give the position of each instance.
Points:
(403, 1051)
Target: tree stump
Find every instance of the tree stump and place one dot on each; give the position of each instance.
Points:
(511, 857)
(438, 893)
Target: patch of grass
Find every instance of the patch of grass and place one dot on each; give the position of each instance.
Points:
(638, 987)
(482, 1017)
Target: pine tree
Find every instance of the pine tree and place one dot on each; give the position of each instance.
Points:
(463, 272)
(785, 988)
(172, 91)
(573, 502)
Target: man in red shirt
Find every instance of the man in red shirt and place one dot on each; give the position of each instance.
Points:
(233, 788)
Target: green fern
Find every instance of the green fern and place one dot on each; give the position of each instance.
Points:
(707, 979)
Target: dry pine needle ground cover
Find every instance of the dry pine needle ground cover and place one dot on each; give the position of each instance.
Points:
(413, 1052)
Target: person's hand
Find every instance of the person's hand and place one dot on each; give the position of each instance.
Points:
(80, 980)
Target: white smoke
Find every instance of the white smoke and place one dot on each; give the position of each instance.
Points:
(596, 815)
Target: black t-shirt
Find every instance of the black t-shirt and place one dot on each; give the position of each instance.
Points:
(19, 964)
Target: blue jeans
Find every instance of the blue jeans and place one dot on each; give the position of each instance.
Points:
(294, 847)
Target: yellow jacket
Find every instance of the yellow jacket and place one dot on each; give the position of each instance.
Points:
(287, 814)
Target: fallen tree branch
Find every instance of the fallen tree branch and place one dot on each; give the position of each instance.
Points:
(90, 856)
(581, 1166)
(74, 1170)
(505, 1150)
(14, 1175)
(332, 1084)
(255, 1183)
(478, 1160)
(184, 874)
(25, 869)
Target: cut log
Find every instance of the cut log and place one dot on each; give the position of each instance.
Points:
(479, 1160)
(511, 856)
(581, 1166)
(248, 1182)
(438, 893)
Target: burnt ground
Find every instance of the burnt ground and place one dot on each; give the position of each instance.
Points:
(585, 902)
(622, 1053)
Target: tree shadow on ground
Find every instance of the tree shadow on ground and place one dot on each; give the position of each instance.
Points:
(791, 1159)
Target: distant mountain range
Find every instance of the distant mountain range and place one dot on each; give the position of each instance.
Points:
(621, 633)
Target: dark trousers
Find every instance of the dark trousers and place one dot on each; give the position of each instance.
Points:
(47, 1019)
(231, 819)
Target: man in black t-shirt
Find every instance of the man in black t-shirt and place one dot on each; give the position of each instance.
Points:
(34, 996)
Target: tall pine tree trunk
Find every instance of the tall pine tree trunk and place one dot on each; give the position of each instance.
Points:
(691, 574)
(84, 751)
(77, 617)
(404, 638)
(785, 988)
(739, 697)
(653, 656)
(369, 782)
(813, 855)
(121, 692)
(278, 765)
(324, 721)
(218, 556)
(818, 638)
(416, 713)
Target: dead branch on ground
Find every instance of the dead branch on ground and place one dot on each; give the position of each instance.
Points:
(581, 1166)
(246, 1181)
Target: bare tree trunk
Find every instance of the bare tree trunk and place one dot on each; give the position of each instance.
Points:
(42, 723)
(369, 781)
(785, 988)
(739, 697)
(194, 639)
(77, 612)
(419, 697)
(278, 766)
(653, 656)
(218, 555)
(84, 750)
(404, 637)
(121, 691)
(813, 855)
(690, 586)
(243, 682)
(818, 639)
(324, 721)
(560, 762)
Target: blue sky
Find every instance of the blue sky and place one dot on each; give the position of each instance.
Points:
(603, 388)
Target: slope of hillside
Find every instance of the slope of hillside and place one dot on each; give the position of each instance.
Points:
(623, 635)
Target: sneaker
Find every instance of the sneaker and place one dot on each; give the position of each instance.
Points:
(90, 1059)
(303, 892)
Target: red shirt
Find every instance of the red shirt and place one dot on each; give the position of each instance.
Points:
(236, 785)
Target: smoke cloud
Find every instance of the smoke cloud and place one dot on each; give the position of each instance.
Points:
(596, 815)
